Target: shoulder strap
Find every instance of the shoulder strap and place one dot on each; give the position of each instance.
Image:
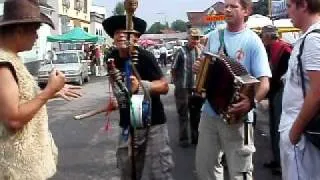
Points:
(222, 47)
(10, 67)
(300, 61)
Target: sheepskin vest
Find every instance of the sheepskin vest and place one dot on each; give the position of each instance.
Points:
(29, 154)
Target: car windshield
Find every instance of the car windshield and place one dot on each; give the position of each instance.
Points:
(65, 58)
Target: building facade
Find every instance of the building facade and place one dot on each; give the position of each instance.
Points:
(71, 13)
(98, 14)
(198, 19)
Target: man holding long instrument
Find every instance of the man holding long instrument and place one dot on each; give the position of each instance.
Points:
(157, 162)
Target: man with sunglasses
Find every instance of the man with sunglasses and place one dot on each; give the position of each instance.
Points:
(188, 105)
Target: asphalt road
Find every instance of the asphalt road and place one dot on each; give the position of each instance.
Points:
(87, 152)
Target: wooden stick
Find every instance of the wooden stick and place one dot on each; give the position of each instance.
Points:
(90, 113)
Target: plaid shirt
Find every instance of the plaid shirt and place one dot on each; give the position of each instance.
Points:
(182, 67)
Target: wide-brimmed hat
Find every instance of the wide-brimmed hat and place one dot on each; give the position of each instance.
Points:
(114, 23)
(23, 11)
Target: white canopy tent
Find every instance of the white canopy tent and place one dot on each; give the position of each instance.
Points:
(257, 20)
(283, 23)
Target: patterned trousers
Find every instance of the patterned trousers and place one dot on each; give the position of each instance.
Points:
(157, 164)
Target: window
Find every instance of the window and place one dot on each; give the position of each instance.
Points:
(75, 4)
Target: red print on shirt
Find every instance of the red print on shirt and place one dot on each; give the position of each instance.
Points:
(239, 55)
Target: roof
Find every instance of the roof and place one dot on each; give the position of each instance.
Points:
(198, 18)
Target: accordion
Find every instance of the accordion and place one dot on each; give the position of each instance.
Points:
(221, 80)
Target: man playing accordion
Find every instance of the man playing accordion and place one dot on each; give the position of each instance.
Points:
(215, 135)
(188, 105)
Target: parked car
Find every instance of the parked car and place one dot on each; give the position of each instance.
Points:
(69, 62)
(169, 47)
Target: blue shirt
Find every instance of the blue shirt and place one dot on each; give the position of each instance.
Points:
(244, 46)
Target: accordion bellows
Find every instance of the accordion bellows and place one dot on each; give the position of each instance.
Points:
(221, 80)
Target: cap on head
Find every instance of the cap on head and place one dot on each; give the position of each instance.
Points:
(194, 32)
(269, 29)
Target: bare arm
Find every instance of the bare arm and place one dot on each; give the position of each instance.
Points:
(310, 107)
(16, 115)
(262, 88)
(159, 86)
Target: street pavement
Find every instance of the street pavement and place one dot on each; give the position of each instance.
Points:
(88, 152)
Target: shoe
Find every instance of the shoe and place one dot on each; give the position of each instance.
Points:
(271, 165)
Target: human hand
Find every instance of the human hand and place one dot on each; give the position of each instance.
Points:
(68, 92)
(241, 107)
(294, 136)
(55, 83)
(134, 84)
(196, 66)
(112, 106)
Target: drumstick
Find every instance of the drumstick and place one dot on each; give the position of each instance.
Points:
(90, 113)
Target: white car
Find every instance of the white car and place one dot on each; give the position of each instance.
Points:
(68, 62)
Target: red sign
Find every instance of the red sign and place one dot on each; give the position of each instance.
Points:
(214, 18)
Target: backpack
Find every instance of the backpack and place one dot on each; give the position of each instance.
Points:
(312, 131)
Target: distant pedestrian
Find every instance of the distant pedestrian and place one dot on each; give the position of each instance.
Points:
(163, 56)
(188, 104)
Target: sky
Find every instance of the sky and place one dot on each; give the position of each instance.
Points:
(161, 10)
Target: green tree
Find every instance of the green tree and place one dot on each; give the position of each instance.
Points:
(119, 9)
(261, 7)
(156, 27)
(179, 25)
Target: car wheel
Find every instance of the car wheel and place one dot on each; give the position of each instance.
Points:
(42, 85)
(80, 82)
(87, 79)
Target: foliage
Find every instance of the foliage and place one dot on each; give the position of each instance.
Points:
(261, 7)
(156, 27)
(119, 9)
(179, 25)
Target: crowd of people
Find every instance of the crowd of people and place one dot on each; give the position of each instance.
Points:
(289, 77)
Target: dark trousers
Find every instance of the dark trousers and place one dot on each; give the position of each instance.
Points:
(275, 109)
(163, 59)
(189, 110)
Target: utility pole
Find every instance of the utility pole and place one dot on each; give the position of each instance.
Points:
(163, 15)
(270, 8)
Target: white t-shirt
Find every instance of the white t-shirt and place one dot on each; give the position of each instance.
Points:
(156, 53)
(293, 96)
(163, 50)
